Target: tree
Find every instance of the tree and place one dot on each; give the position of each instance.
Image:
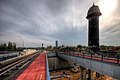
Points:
(9, 45)
(118, 52)
(3, 47)
(13, 46)
(49, 47)
(63, 45)
(79, 46)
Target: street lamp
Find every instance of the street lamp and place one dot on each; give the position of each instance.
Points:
(21, 40)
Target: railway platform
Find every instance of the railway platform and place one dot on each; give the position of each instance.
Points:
(36, 70)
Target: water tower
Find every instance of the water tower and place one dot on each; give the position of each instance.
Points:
(93, 26)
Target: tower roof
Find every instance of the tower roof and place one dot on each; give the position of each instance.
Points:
(93, 11)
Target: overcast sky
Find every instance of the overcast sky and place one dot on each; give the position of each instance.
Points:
(45, 21)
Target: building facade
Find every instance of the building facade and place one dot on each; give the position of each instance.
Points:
(56, 44)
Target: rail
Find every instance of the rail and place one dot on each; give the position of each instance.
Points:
(15, 64)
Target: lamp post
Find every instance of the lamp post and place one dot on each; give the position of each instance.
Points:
(21, 40)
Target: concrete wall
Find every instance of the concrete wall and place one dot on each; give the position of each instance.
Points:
(57, 63)
(51, 54)
(110, 69)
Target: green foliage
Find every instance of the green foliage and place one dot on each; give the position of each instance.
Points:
(118, 51)
(79, 46)
(10, 46)
(13, 46)
(3, 46)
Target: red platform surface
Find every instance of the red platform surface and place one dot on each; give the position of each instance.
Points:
(36, 70)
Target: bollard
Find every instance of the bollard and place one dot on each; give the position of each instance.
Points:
(91, 55)
(83, 55)
(102, 56)
(117, 59)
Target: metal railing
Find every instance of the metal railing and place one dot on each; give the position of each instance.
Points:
(95, 56)
(47, 69)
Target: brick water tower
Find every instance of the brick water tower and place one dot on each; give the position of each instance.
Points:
(93, 26)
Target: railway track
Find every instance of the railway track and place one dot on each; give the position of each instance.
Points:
(6, 69)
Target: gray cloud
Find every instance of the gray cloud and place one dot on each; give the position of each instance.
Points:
(56, 6)
(44, 21)
(110, 34)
